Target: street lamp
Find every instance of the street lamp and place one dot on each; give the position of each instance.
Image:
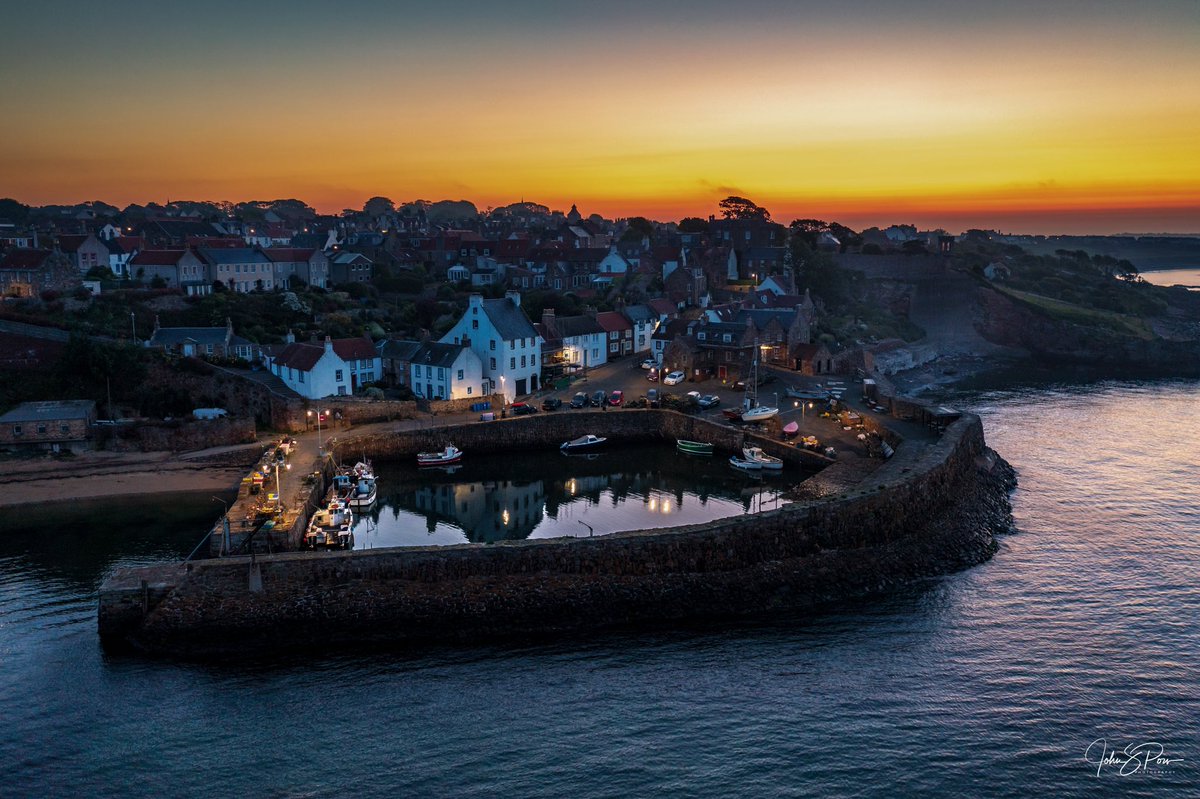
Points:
(319, 447)
(133, 325)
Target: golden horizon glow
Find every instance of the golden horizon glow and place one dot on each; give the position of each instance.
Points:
(1091, 124)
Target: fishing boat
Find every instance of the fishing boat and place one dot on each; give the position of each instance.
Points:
(330, 527)
(744, 465)
(752, 412)
(756, 455)
(583, 442)
(450, 454)
(694, 447)
(791, 430)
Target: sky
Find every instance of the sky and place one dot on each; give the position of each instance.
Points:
(1041, 117)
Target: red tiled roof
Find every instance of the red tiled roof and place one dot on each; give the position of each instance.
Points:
(300, 356)
(661, 305)
(282, 254)
(157, 257)
(351, 349)
(611, 320)
(24, 259)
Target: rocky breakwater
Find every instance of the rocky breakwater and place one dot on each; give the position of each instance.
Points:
(927, 511)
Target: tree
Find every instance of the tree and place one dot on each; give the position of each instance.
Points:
(378, 206)
(741, 208)
(808, 230)
(693, 224)
(642, 225)
(13, 211)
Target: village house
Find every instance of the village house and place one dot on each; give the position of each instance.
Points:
(55, 425)
(240, 269)
(644, 322)
(86, 252)
(309, 264)
(334, 368)
(506, 342)
(618, 333)
(178, 269)
(446, 372)
(350, 267)
(121, 250)
(584, 341)
(217, 342)
(395, 357)
(28, 273)
(664, 334)
(813, 359)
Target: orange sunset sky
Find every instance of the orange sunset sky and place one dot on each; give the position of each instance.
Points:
(1036, 117)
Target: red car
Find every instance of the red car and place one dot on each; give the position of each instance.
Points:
(616, 398)
(652, 375)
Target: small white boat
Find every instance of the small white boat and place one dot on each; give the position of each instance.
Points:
(451, 454)
(330, 527)
(583, 442)
(756, 455)
(744, 465)
(760, 413)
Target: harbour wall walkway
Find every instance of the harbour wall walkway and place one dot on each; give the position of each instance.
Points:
(929, 510)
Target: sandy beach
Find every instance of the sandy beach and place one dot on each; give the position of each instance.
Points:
(102, 474)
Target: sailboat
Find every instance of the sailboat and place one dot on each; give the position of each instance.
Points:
(751, 410)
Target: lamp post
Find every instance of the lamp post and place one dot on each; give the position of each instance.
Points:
(319, 447)
(133, 325)
(278, 490)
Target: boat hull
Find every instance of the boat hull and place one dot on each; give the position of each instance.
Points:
(694, 447)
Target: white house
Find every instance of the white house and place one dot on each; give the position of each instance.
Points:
(508, 347)
(614, 263)
(644, 322)
(584, 341)
(446, 371)
(334, 368)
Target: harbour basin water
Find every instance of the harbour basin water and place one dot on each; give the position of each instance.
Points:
(491, 498)
(993, 682)
(1174, 277)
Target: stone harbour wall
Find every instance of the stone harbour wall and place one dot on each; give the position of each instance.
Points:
(929, 511)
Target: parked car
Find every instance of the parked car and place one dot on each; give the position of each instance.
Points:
(616, 398)
(599, 398)
(652, 375)
(652, 397)
(551, 404)
(739, 385)
(580, 400)
(649, 363)
(709, 401)
(674, 378)
(522, 409)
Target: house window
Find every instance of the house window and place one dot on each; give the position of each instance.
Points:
(302, 377)
(700, 336)
(474, 324)
(512, 363)
(728, 338)
(428, 372)
(613, 335)
(460, 374)
(441, 374)
(493, 360)
(468, 390)
(65, 428)
(338, 375)
(493, 344)
(17, 430)
(209, 349)
(522, 361)
(41, 429)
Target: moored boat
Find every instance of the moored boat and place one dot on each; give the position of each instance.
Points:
(756, 455)
(694, 447)
(744, 465)
(449, 454)
(583, 442)
(330, 527)
(791, 429)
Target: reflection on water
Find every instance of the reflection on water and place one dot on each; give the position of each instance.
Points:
(547, 495)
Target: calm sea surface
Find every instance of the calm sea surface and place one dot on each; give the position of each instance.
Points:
(1174, 277)
(988, 683)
